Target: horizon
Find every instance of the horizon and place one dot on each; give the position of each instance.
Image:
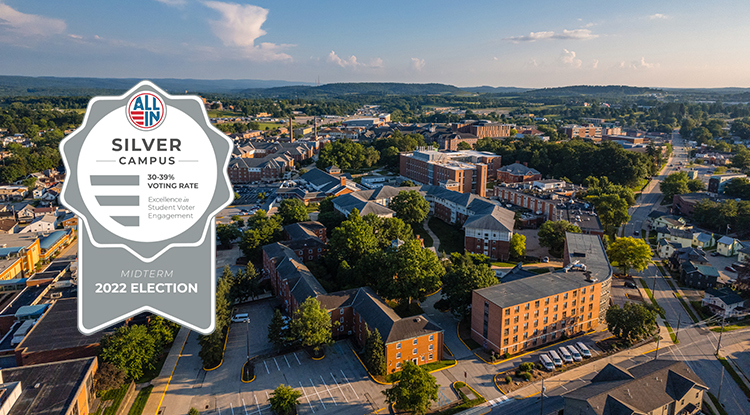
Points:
(664, 44)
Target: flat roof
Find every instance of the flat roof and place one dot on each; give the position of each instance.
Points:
(57, 386)
(586, 249)
(58, 329)
(25, 297)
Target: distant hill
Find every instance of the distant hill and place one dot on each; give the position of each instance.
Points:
(354, 88)
(48, 86)
(484, 89)
(590, 90)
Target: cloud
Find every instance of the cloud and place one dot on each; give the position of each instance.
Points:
(658, 16)
(22, 24)
(174, 3)
(575, 34)
(641, 64)
(240, 26)
(568, 58)
(417, 64)
(595, 64)
(352, 62)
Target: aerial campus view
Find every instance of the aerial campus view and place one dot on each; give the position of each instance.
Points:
(434, 209)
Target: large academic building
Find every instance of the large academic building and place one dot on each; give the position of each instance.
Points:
(527, 310)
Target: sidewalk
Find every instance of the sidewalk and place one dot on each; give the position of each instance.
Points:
(435, 240)
(161, 382)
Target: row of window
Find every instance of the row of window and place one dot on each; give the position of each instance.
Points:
(414, 342)
(534, 341)
(546, 311)
(430, 357)
(527, 306)
(413, 352)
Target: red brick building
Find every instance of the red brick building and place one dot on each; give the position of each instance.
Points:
(466, 170)
(517, 172)
(583, 131)
(245, 170)
(483, 129)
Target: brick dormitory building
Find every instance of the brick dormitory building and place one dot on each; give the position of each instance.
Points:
(356, 311)
(463, 171)
(526, 310)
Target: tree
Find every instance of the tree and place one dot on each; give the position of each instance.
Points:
(194, 411)
(163, 332)
(131, 349)
(696, 185)
(407, 183)
(611, 209)
(632, 322)
(630, 253)
(517, 247)
(461, 278)
(328, 215)
(292, 210)
(226, 234)
(262, 230)
(375, 353)
(674, 184)
(284, 399)
(552, 235)
(415, 390)
(312, 324)
(388, 230)
(237, 220)
(410, 272)
(463, 145)
(108, 376)
(410, 206)
(351, 240)
(279, 332)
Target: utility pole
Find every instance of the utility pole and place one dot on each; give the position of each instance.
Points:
(658, 339)
(718, 345)
(721, 383)
(677, 332)
(541, 406)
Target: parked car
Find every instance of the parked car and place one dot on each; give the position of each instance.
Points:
(574, 352)
(240, 318)
(715, 253)
(546, 362)
(545, 259)
(565, 354)
(555, 358)
(584, 350)
(730, 269)
(629, 284)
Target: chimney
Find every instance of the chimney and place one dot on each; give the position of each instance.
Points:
(518, 161)
(343, 180)
(526, 163)
(291, 130)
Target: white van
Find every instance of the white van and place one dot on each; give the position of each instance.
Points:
(546, 362)
(584, 350)
(574, 352)
(565, 354)
(240, 318)
(555, 358)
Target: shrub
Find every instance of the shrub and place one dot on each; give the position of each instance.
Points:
(508, 379)
(506, 355)
(526, 376)
(526, 367)
(442, 305)
(193, 411)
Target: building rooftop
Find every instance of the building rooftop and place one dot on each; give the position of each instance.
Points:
(726, 295)
(518, 169)
(584, 250)
(50, 388)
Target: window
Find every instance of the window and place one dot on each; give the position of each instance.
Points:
(525, 336)
(398, 365)
(515, 319)
(583, 300)
(565, 314)
(565, 296)
(536, 323)
(546, 301)
(582, 308)
(398, 355)
(536, 303)
(554, 308)
(554, 326)
(565, 305)
(589, 316)
(430, 357)
(506, 332)
(414, 351)
(431, 347)
(575, 293)
(515, 348)
(526, 316)
(546, 310)
(545, 320)
(573, 303)
(398, 345)
(515, 329)
(432, 337)
(583, 291)
(557, 297)
(515, 339)
(516, 309)
(414, 341)
(527, 306)
(591, 307)
(505, 342)
(591, 298)
(507, 321)
(525, 326)
(536, 313)
(423, 358)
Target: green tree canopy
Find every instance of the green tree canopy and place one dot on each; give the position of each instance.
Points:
(284, 399)
(632, 322)
(611, 209)
(292, 210)
(410, 271)
(311, 324)
(262, 230)
(517, 247)
(463, 275)
(415, 390)
(674, 184)
(630, 253)
(552, 235)
(279, 331)
(375, 353)
(227, 233)
(696, 185)
(389, 229)
(410, 206)
(352, 240)
(131, 349)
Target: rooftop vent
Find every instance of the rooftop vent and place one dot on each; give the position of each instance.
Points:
(417, 320)
(37, 385)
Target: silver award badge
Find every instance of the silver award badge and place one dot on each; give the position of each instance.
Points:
(146, 175)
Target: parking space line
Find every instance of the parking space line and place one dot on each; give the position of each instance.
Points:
(245, 406)
(267, 371)
(277, 364)
(231, 407)
(339, 386)
(316, 392)
(350, 385)
(267, 397)
(295, 356)
(256, 403)
(287, 362)
(306, 397)
(329, 391)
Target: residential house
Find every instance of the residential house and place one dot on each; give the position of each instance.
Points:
(703, 239)
(13, 193)
(725, 303)
(743, 255)
(307, 239)
(683, 255)
(41, 211)
(683, 237)
(38, 192)
(46, 223)
(655, 387)
(69, 220)
(25, 214)
(669, 221)
(8, 226)
(666, 248)
(696, 275)
(728, 246)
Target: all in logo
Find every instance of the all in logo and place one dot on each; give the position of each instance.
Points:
(146, 111)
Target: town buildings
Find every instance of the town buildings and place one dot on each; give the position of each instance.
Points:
(517, 172)
(717, 182)
(464, 171)
(483, 129)
(583, 131)
(725, 303)
(653, 387)
(527, 310)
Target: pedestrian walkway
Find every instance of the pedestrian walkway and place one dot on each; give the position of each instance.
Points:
(435, 240)
(161, 382)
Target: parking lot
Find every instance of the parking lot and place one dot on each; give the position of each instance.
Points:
(336, 384)
(623, 291)
(249, 195)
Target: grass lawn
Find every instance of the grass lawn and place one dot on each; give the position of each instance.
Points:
(742, 324)
(223, 114)
(503, 264)
(430, 367)
(466, 402)
(150, 374)
(140, 401)
(451, 237)
(464, 332)
(114, 395)
(721, 409)
(418, 229)
(700, 310)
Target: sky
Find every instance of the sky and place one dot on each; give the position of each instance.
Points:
(533, 43)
